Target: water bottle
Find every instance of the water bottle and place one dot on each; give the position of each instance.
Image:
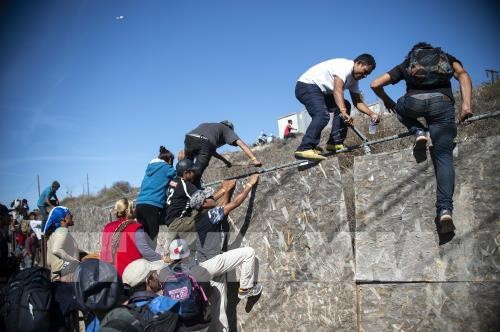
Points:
(373, 128)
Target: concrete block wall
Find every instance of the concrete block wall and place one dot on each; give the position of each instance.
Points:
(393, 272)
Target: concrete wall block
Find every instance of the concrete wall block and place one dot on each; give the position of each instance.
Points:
(301, 306)
(396, 238)
(459, 306)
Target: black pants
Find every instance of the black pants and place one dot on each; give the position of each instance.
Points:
(150, 217)
(200, 151)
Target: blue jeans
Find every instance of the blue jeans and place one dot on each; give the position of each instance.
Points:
(439, 113)
(319, 106)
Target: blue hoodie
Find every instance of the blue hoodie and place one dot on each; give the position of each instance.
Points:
(155, 183)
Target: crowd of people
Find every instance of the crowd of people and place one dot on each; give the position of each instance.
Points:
(129, 282)
(187, 283)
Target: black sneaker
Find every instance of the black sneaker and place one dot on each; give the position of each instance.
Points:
(446, 222)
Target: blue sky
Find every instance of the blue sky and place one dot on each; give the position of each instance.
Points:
(84, 93)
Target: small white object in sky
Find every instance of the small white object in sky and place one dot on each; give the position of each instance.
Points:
(121, 17)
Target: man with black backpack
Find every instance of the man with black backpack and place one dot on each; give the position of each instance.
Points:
(427, 71)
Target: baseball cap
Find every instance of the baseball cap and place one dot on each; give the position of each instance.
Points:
(178, 249)
(184, 165)
(137, 271)
(199, 196)
(228, 123)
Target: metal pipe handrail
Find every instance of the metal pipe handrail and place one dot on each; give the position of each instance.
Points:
(346, 149)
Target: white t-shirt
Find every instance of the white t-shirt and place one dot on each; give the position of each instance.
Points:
(322, 75)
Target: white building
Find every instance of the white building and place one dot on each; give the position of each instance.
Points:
(301, 119)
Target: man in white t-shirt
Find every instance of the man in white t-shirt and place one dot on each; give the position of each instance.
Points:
(321, 90)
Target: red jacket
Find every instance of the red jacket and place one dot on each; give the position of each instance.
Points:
(127, 250)
(20, 238)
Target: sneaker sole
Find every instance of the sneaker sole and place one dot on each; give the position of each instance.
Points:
(335, 149)
(242, 297)
(420, 144)
(447, 225)
(315, 158)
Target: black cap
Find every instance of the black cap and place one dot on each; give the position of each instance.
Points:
(184, 165)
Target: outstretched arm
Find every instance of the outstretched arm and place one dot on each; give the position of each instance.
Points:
(247, 187)
(225, 190)
(377, 86)
(248, 152)
(338, 95)
(360, 105)
(465, 90)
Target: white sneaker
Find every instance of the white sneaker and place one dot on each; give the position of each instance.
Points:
(254, 291)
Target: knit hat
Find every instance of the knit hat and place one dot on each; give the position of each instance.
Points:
(200, 196)
(55, 217)
(137, 271)
(178, 249)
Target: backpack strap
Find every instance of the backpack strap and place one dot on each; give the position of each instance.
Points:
(141, 296)
(115, 238)
(197, 286)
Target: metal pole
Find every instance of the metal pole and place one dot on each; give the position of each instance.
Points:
(483, 116)
(366, 147)
(38, 182)
(493, 73)
(44, 251)
(365, 144)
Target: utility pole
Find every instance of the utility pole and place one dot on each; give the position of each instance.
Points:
(493, 74)
(38, 182)
(88, 191)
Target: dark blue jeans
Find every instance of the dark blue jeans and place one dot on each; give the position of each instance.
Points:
(439, 112)
(319, 107)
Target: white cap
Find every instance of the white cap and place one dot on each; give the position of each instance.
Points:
(138, 270)
(178, 249)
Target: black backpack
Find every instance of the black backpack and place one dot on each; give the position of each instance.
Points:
(137, 318)
(428, 66)
(97, 286)
(29, 303)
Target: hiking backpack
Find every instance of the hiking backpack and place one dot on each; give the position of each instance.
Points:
(29, 303)
(429, 66)
(180, 285)
(150, 314)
